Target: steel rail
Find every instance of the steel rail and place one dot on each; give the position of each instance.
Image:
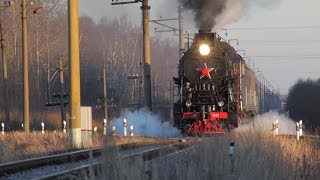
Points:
(23, 165)
(94, 168)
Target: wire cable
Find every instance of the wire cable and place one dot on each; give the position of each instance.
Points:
(275, 28)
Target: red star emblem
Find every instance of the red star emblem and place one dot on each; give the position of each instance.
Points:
(205, 71)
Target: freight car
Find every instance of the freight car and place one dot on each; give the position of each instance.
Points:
(216, 87)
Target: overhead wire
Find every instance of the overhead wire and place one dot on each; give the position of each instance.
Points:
(275, 28)
(281, 56)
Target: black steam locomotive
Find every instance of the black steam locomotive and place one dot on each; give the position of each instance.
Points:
(216, 87)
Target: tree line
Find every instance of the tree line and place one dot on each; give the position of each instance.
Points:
(114, 43)
(303, 103)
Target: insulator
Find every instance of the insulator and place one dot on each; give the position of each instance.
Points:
(203, 87)
(208, 87)
(196, 87)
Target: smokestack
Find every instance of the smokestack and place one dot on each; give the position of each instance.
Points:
(202, 31)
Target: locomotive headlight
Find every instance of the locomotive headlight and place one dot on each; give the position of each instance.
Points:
(220, 103)
(188, 103)
(204, 49)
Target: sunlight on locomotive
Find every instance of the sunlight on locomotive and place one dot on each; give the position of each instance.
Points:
(204, 49)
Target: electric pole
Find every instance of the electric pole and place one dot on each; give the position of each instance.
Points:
(146, 54)
(146, 50)
(62, 93)
(26, 110)
(105, 98)
(74, 60)
(181, 29)
(170, 29)
(5, 77)
(181, 41)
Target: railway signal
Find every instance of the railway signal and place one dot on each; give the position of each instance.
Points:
(136, 98)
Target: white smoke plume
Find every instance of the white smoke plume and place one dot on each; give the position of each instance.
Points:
(145, 124)
(215, 14)
(264, 123)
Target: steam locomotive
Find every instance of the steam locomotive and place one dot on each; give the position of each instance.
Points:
(216, 88)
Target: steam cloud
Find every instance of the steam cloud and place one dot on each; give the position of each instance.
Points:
(145, 124)
(264, 123)
(214, 14)
(205, 11)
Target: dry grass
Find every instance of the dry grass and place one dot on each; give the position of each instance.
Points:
(257, 156)
(18, 145)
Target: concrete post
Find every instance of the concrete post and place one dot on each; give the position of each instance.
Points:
(274, 128)
(64, 126)
(298, 130)
(131, 131)
(277, 127)
(113, 130)
(104, 127)
(124, 127)
(42, 127)
(2, 127)
(231, 152)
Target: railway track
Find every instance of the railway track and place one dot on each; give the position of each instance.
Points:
(26, 165)
(92, 169)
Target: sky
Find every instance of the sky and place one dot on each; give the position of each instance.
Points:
(281, 41)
